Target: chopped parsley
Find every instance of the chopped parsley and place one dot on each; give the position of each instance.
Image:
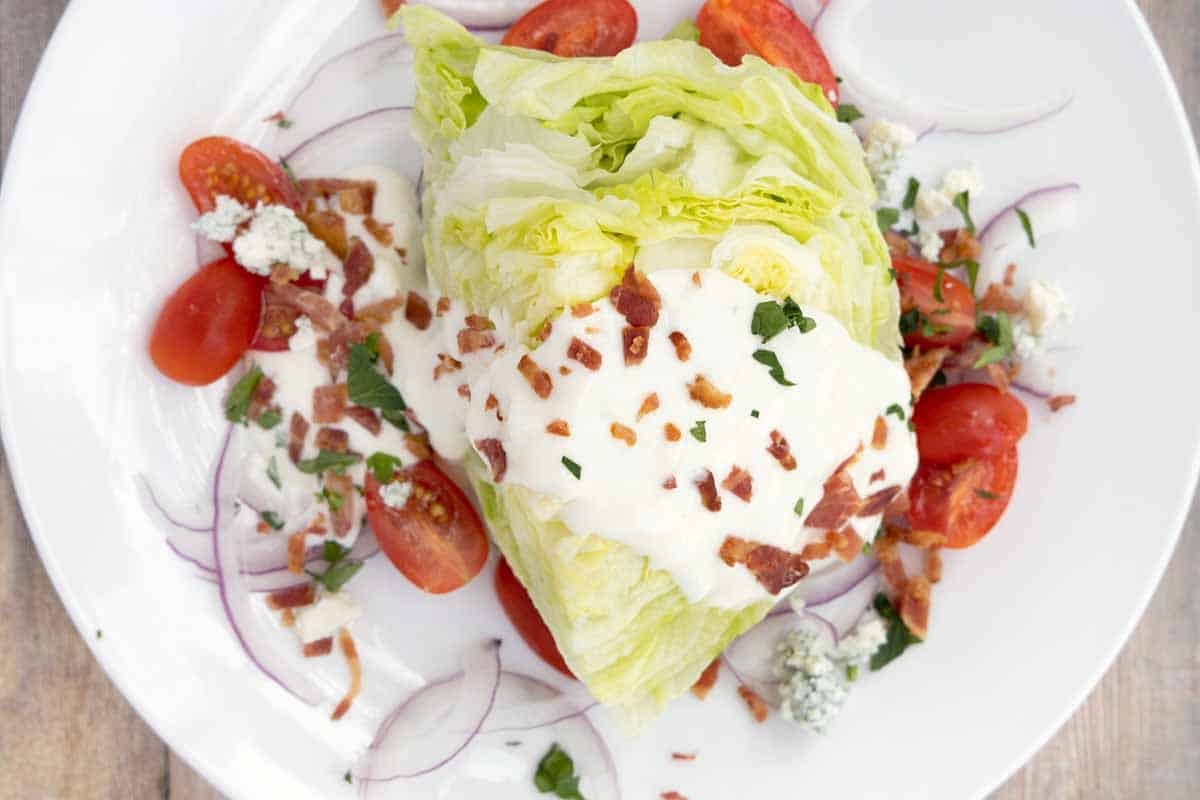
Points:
(799, 507)
(347, 777)
(848, 113)
(238, 401)
(99, 633)
(1027, 226)
(287, 170)
(383, 466)
(986, 495)
(754, 413)
(269, 419)
(272, 519)
(572, 467)
(327, 459)
(939, 379)
(886, 218)
(910, 194)
(698, 431)
(771, 361)
(333, 552)
(340, 569)
(771, 319)
(972, 269)
(367, 387)
(895, 410)
(962, 201)
(910, 321)
(899, 637)
(998, 331)
(852, 672)
(556, 775)
(334, 499)
(937, 284)
(273, 473)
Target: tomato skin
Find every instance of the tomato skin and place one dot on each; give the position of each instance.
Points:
(732, 29)
(525, 618)
(970, 419)
(951, 319)
(437, 555)
(204, 328)
(963, 500)
(218, 165)
(573, 28)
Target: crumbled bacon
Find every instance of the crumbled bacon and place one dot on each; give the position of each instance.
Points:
(922, 367)
(877, 502)
(357, 199)
(547, 329)
(672, 433)
(649, 405)
(634, 342)
(707, 486)
(386, 357)
(815, 551)
(417, 312)
(683, 348)
(346, 644)
(325, 188)
(584, 353)
(782, 451)
(472, 339)
(445, 366)
(914, 605)
(492, 404)
(558, 427)
(1061, 401)
(636, 299)
(287, 618)
(478, 322)
(418, 446)
(340, 342)
(332, 439)
(838, 503)
(775, 569)
(278, 321)
(739, 483)
(537, 378)
(696, 279)
(933, 564)
(464, 391)
(295, 596)
(282, 273)
(1010, 274)
(443, 306)
(997, 298)
(887, 552)
(899, 246)
(998, 376)
(879, 435)
(959, 245)
(581, 310)
(706, 394)
(321, 647)
(493, 451)
(381, 311)
(670, 484)
(295, 552)
(366, 418)
(358, 266)
(623, 433)
(707, 679)
(297, 430)
(564, 371)
(380, 231)
(329, 403)
(672, 795)
(683, 757)
(260, 400)
(330, 228)
(758, 707)
(345, 515)
(918, 538)
(322, 312)
(877, 476)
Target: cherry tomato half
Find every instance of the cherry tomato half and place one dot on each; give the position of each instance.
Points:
(732, 29)
(436, 539)
(931, 322)
(218, 165)
(967, 420)
(575, 27)
(525, 618)
(963, 500)
(207, 324)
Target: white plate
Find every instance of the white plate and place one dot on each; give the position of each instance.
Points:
(94, 233)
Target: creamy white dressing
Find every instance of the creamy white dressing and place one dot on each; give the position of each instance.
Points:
(841, 388)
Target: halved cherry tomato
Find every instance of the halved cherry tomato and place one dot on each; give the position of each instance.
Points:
(218, 165)
(279, 321)
(207, 324)
(936, 323)
(967, 420)
(963, 500)
(732, 29)
(575, 27)
(437, 540)
(525, 618)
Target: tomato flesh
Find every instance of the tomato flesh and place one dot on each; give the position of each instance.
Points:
(963, 500)
(217, 165)
(207, 324)
(436, 539)
(732, 29)
(575, 28)
(525, 618)
(938, 323)
(970, 419)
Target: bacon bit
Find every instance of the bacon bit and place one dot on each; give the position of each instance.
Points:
(739, 483)
(669, 484)
(367, 418)
(322, 312)
(933, 565)
(492, 404)
(624, 434)
(330, 228)
(478, 322)
(997, 298)
(998, 376)
(297, 430)
(381, 311)
(706, 394)
(317, 526)
(282, 273)
(887, 551)
(848, 544)
(584, 353)
(878, 475)
(815, 551)
(707, 487)
(358, 267)
(351, 653)
(1061, 401)
(649, 406)
(357, 199)
(471, 340)
(672, 433)
(774, 568)
(707, 679)
(876, 503)
(464, 391)
(581, 310)
(564, 371)
(879, 435)
(418, 446)
(262, 528)
(278, 322)
(416, 311)
(326, 188)
(634, 344)
(380, 231)
(558, 427)
(321, 647)
(921, 368)
(334, 439)
(1010, 273)
(287, 618)
(683, 348)
(546, 330)
(636, 299)
(918, 538)
(386, 356)
(837, 505)
(592, 330)
(346, 514)
(683, 756)
(493, 451)
(329, 403)
(914, 605)
(260, 400)
(671, 796)
(443, 306)
(899, 246)
(696, 279)
(298, 596)
(537, 378)
(898, 508)
(958, 245)
(782, 451)
(340, 342)
(758, 707)
(295, 551)
(445, 366)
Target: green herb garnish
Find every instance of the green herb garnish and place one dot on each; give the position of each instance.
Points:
(334, 499)
(556, 775)
(272, 519)
(572, 467)
(962, 201)
(238, 401)
(327, 459)
(895, 410)
(269, 419)
(1028, 226)
(273, 473)
(998, 331)
(383, 466)
(771, 361)
(910, 194)
(754, 413)
(985, 494)
(698, 431)
(367, 387)
(972, 268)
(771, 318)
(336, 576)
(848, 113)
(910, 321)
(937, 284)
(799, 507)
(899, 637)
(333, 552)
(886, 218)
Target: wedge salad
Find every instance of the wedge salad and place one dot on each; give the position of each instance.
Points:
(665, 325)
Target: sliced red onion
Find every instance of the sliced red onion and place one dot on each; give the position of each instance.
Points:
(173, 520)
(833, 582)
(751, 656)
(1030, 390)
(1050, 208)
(809, 11)
(541, 714)
(382, 137)
(264, 556)
(236, 599)
(482, 14)
(843, 612)
(1007, 127)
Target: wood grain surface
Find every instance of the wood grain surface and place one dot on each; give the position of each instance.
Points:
(66, 733)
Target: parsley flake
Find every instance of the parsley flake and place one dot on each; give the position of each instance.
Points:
(768, 359)
(347, 777)
(334, 499)
(895, 410)
(998, 331)
(971, 266)
(273, 473)
(848, 113)
(367, 387)
(556, 775)
(269, 419)
(337, 575)
(383, 466)
(272, 519)
(771, 318)
(886, 218)
(899, 637)
(910, 194)
(1027, 226)
(327, 459)
(962, 201)
(698, 431)
(937, 284)
(986, 495)
(799, 507)
(572, 467)
(238, 401)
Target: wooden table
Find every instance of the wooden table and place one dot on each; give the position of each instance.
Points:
(66, 733)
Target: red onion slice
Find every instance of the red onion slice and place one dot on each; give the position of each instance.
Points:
(832, 582)
(172, 519)
(1051, 208)
(482, 14)
(264, 556)
(382, 136)
(751, 656)
(842, 613)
